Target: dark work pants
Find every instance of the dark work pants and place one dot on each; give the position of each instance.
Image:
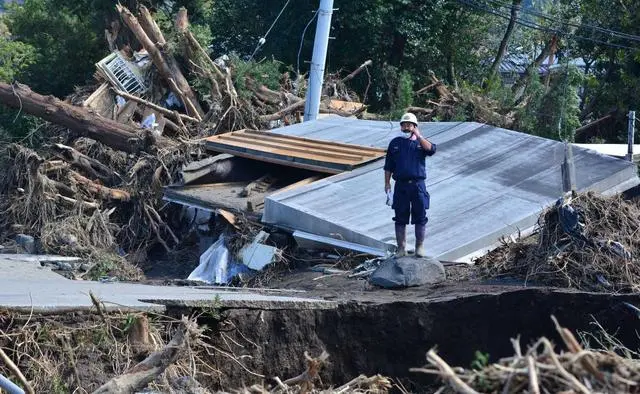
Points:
(410, 198)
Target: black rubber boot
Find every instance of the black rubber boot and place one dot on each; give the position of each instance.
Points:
(420, 233)
(401, 239)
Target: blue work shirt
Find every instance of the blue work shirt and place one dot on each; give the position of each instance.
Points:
(406, 159)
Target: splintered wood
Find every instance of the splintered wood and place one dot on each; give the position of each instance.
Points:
(542, 370)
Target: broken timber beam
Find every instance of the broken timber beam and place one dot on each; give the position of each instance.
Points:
(111, 133)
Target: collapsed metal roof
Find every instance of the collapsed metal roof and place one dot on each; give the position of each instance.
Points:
(485, 183)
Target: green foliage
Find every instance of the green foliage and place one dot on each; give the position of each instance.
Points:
(480, 361)
(65, 39)
(403, 97)
(214, 309)
(267, 72)
(59, 386)
(553, 112)
(559, 111)
(15, 57)
(129, 321)
(410, 35)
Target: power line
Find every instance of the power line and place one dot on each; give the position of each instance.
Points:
(533, 25)
(315, 13)
(263, 39)
(568, 23)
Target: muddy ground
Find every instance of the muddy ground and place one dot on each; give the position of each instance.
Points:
(365, 330)
(373, 330)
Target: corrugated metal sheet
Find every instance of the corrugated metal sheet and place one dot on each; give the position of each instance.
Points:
(294, 151)
(485, 183)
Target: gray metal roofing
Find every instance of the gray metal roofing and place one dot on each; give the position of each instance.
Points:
(485, 182)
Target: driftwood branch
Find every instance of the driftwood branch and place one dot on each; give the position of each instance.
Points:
(448, 374)
(143, 373)
(155, 107)
(357, 71)
(305, 379)
(99, 190)
(287, 110)
(16, 371)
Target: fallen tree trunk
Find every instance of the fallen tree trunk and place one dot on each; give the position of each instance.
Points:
(143, 373)
(168, 69)
(285, 111)
(111, 133)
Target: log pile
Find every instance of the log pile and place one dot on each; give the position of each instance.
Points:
(96, 183)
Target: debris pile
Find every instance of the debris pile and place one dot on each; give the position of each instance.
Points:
(138, 352)
(585, 241)
(95, 184)
(437, 101)
(541, 370)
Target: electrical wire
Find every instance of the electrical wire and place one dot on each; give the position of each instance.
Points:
(568, 23)
(313, 17)
(263, 39)
(533, 25)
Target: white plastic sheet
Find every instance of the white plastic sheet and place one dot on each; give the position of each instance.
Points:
(216, 265)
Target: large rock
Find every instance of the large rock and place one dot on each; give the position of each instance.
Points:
(26, 242)
(408, 271)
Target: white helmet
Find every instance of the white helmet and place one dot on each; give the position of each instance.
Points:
(409, 117)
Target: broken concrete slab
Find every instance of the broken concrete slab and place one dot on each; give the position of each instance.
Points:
(28, 286)
(408, 271)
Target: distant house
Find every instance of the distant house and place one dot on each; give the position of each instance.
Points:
(514, 65)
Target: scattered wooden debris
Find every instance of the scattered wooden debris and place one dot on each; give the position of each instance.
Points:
(131, 135)
(143, 373)
(586, 242)
(541, 369)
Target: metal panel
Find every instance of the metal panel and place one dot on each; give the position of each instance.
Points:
(485, 183)
(323, 156)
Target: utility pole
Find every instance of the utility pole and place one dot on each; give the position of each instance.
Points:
(316, 76)
(631, 130)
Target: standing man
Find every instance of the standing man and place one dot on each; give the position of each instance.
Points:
(405, 161)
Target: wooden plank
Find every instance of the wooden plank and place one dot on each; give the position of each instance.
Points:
(287, 155)
(324, 145)
(279, 146)
(289, 163)
(208, 185)
(316, 142)
(346, 106)
(303, 182)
